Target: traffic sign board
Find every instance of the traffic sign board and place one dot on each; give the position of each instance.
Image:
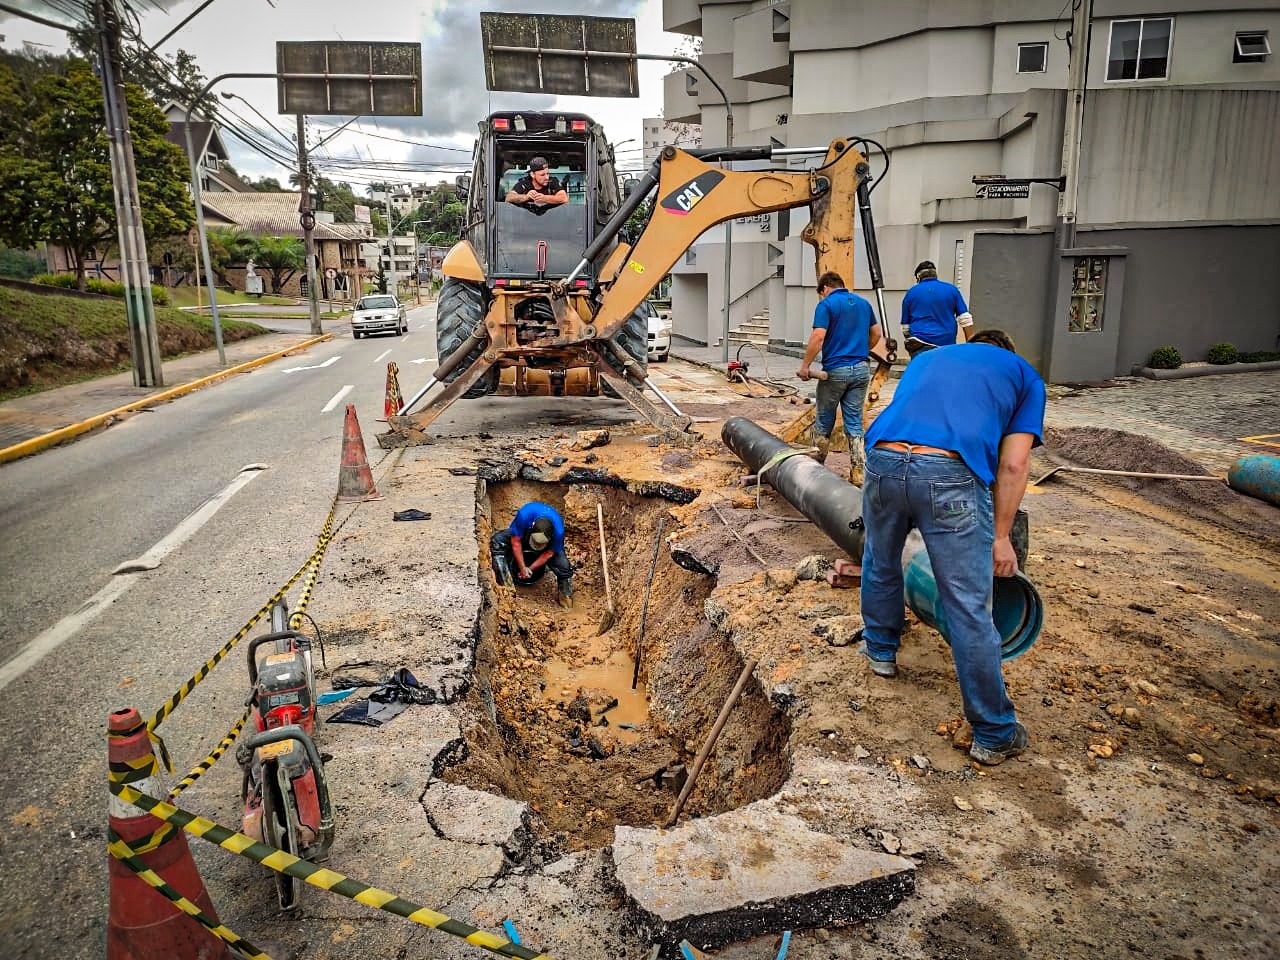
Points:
(1004, 191)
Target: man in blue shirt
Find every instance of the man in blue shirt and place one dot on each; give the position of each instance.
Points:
(844, 329)
(933, 312)
(949, 456)
(533, 543)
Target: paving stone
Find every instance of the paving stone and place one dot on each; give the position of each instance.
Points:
(750, 872)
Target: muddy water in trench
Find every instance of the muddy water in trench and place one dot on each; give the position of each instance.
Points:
(544, 726)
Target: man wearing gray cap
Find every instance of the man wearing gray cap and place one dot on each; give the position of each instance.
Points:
(538, 189)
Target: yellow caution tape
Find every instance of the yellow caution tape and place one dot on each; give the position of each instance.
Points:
(326, 536)
(284, 862)
(123, 852)
(201, 768)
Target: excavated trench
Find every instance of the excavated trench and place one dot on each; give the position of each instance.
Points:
(553, 720)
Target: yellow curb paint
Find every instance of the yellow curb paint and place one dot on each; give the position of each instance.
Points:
(44, 441)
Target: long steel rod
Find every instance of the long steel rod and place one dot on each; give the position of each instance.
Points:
(644, 607)
(710, 743)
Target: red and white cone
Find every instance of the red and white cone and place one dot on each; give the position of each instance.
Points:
(141, 923)
(355, 479)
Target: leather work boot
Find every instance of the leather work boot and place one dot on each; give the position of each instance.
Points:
(824, 447)
(565, 601)
(856, 475)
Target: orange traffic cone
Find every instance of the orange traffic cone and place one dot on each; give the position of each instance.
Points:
(391, 406)
(142, 924)
(355, 479)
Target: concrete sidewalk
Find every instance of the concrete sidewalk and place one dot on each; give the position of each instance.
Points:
(36, 414)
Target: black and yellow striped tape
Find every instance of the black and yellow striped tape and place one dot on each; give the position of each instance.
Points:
(122, 852)
(326, 537)
(201, 768)
(325, 879)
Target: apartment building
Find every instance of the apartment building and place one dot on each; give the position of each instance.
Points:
(1179, 199)
(660, 133)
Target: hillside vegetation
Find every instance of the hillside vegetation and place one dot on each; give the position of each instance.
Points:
(47, 340)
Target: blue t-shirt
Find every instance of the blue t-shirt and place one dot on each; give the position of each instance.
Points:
(966, 397)
(930, 309)
(848, 320)
(529, 514)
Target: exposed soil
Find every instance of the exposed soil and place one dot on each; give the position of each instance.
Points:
(554, 720)
(1144, 819)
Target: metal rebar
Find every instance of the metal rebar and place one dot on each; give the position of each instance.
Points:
(710, 743)
(644, 607)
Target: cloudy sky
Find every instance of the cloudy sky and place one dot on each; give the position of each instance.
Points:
(240, 36)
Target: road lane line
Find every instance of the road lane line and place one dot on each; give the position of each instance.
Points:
(123, 577)
(379, 357)
(337, 398)
(424, 360)
(318, 366)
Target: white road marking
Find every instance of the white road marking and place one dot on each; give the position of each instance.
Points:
(379, 357)
(424, 360)
(124, 577)
(318, 366)
(337, 397)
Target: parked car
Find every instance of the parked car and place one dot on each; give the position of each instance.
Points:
(659, 332)
(379, 313)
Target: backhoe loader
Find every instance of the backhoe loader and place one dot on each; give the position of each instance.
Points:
(546, 300)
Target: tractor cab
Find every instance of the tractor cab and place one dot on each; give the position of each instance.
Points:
(542, 239)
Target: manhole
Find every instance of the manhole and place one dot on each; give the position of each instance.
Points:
(553, 718)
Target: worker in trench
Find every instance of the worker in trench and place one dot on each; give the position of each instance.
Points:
(534, 542)
(950, 456)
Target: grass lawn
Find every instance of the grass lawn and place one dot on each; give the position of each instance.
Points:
(186, 297)
(48, 340)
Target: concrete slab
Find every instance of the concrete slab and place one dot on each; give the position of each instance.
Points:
(748, 872)
(460, 813)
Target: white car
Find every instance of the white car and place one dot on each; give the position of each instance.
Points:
(659, 332)
(379, 313)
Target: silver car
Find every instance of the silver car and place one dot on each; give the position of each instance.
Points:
(379, 313)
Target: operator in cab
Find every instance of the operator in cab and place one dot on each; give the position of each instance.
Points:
(533, 543)
(538, 191)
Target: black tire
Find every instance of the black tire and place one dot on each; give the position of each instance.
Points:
(356, 334)
(460, 311)
(634, 339)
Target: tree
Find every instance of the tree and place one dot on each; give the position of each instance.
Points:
(267, 185)
(281, 257)
(228, 246)
(55, 168)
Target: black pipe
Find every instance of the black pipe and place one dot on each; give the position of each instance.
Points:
(833, 505)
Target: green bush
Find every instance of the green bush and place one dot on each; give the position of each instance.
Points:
(105, 288)
(1258, 356)
(19, 264)
(1221, 353)
(1165, 358)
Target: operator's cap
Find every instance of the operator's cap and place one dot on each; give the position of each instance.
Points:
(540, 535)
(538, 539)
(537, 163)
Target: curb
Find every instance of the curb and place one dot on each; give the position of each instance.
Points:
(44, 441)
(1184, 373)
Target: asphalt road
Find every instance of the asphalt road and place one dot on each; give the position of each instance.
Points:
(77, 642)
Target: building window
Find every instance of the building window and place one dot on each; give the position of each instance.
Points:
(1252, 46)
(1088, 293)
(1139, 49)
(1032, 57)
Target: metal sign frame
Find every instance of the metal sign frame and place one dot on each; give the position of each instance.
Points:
(563, 55)
(346, 78)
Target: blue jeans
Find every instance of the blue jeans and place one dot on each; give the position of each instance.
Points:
(953, 510)
(845, 387)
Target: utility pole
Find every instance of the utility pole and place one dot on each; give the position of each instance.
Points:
(1073, 127)
(728, 242)
(135, 272)
(391, 248)
(308, 221)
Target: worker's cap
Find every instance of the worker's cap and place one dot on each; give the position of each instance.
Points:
(537, 163)
(540, 536)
